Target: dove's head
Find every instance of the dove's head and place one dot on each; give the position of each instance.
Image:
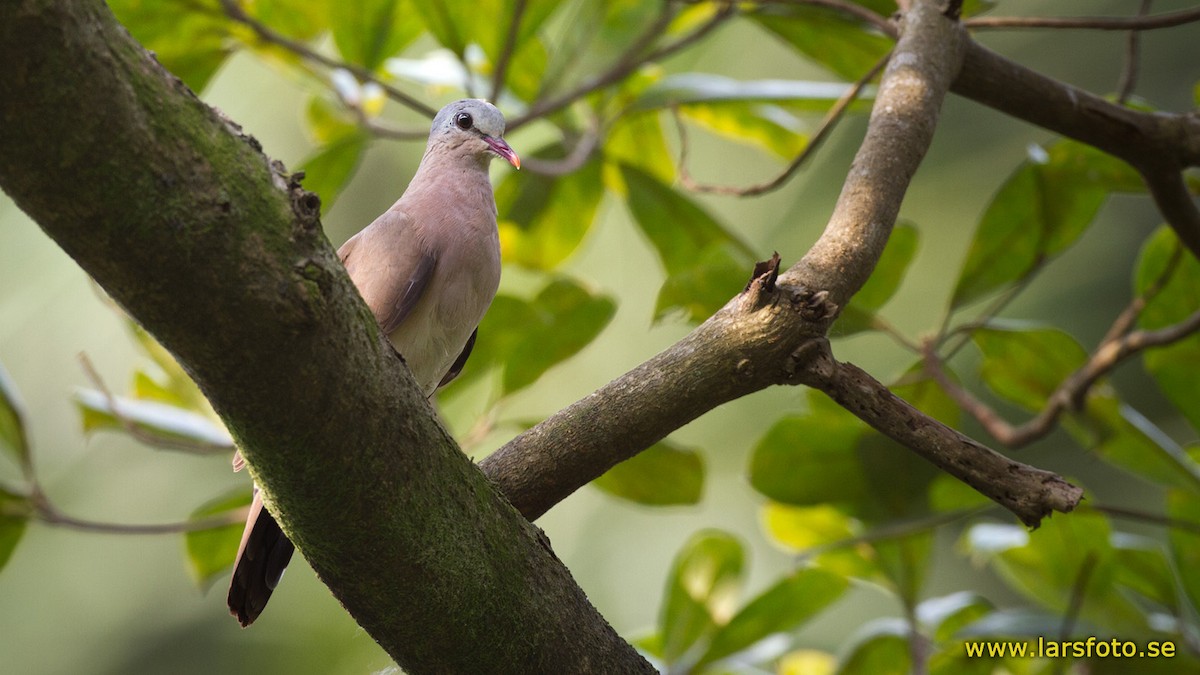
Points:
(474, 125)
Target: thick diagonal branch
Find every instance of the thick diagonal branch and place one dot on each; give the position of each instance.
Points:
(184, 223)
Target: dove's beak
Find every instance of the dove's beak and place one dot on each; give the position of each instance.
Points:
(501, 148)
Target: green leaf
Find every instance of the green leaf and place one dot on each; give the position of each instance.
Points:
(544, 218)
(807, 662)
(769, 127)
(1014, 623)
(1048, 569)
(808, 460)
(882, 459)
(328, 120)
(146, 388)
(879, 648)
(12, 423)
(178, 383)
(501, 330)
(701, 588)
(1026, 365)
(888, 274)
(15, 511)
(678, 228)
(297, 19)
(159, 419)
(828, 455)
(526, 72)
(894, 554)
(969, 8)
(689, 89)
(525, 338)
(698, 291)
(1184, 506)
(567, 318)
(483, 22)
(1129, 440)
(801, 528)
(637, 142)
(327, 172)
(1040, 211)
(211, 551)
(904, 562)
(948, 614)
(948, 493)
(783, 607)
(705, 264)
(189, 37)
(846, 47)
(1142, 567)
(662, 475)
(1176, 367)
(368, 31)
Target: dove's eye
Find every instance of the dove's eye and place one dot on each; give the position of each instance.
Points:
(463, 120)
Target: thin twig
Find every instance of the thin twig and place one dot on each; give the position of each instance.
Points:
(628, 62)
(1069, 394)
(48, 513)
(918, 644)
(896, 530)
(963, 331)
(582, 151)
(1078, 594)
(849, 9)
(1141, 516)
(826, 127)
(133, 429)
(1129, 73)
(506, 53)
(235, 12)
(889, 329)
(1138, 23)
(381, 129)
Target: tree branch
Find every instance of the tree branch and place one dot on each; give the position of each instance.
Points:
(1129, 73)
(848, 9)
(45, 511)
(632, 59)
(583, 150)
(1137, 23)
(1070, 394)
(1158, 145)
(510, 45)
(265, 33)
(771, 333)
(211, 248)
(146, 436)
(1028, 492)
(828, 123)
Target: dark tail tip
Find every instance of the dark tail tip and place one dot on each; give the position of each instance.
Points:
(264, 555)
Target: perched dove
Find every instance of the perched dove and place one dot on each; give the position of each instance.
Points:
(428, 268)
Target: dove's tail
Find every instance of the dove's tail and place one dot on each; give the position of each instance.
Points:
(261, 559)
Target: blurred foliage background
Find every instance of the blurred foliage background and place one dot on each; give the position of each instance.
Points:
(831, 542)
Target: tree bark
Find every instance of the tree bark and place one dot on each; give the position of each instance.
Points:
(186, 224)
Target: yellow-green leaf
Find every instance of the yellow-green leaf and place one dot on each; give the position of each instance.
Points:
(661, 475)
(701, 590)
(211, 551)
(12, 423)
(783, 607)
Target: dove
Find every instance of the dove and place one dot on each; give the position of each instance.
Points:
(428, 269)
